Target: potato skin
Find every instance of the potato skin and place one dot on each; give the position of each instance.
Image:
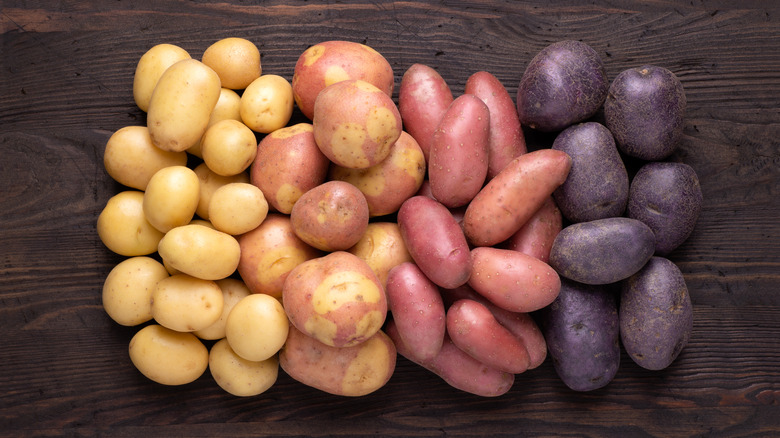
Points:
(667, 197)
(582, 331)
(602, 251)
(597, 184)
(546, 105)
(656, 314)
(536, 237)
(423, 98)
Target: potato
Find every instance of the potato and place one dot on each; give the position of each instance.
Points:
(227, 108)
(536, 237)
(236, 61)
(209, 182)
(237, 208)
(123, 228)
(435, 241)
(645, 110)
(382, 247)
(510, 199)
(287, 165)
(331, 217)
(130, 157)
(668, 199)
(564, 83)
(582, 331)
(228, 147)
(418, 310)
(238, 376)
(597, 184)
(423, 98)
(185, 303)
(150, 67)
(269, 253)
(458, 369)
(602, 251)
(391, 182)
(257, 327)
(329, 62)
(168, 357)
(181, 105)
(233, 290)
(336, 299)
(512, 280)
(348, 371)
(355, 124)
(127, 290)
(656, 314)
(171, 197)
(458, 161)
(507, 140)
(267, 104)
(200, 251)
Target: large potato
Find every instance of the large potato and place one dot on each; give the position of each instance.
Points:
(130, 157)
(382, 247)
(123, 228)
(127, 290)
(168, 357)
(200, 251)
(185, 303)
(150, 67)
(171, 197)
(235, 60)
(423, 98)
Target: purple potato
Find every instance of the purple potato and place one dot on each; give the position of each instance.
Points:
(564, 83)
(667, 197)
(597, 185)
(602, 251)
(644, 110)
(581, 328)
(656, 314)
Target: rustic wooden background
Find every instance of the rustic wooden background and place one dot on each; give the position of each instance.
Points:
(66, 70)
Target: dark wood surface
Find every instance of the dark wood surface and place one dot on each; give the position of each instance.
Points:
(66, 84)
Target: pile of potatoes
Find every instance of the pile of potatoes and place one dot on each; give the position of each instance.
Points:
(423, 228)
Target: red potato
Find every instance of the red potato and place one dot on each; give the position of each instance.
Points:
(512, 280)
(536, 237)
(510, 199)
(506, 135)
(423, 98)
(458, 161)
(435, 241)
(418, 310)
(458, 369)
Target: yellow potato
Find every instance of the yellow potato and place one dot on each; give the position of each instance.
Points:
(267, 104)
(236, 61)
(209, 183)
(228, 147)
(233, 290)
(149, 69)
(227, 108)
(185, 303)
(238, 376)
(168, 357)
(237, 208)
(181, 105)
(200, 251)
(382, 247)
(122, 225)
(171, 197)
(128, 288)
(257, 327)
(131, 158)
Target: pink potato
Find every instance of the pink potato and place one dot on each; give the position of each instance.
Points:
(423, 98)
(418, 311)
(506, 135)
(510, 199)
(512, 280)
(458, 162)
(435, 241)
(536, 237)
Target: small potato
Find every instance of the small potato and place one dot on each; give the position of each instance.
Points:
(536, 237)
(238, 376)
(382, 247)
(228, 147)
(331, 217)
(257, 327)
(122, 225)
(200, 251)
(227, 108)
(233, 290)
(171, 197)
(267, 104)
(185, 303)
(237, 208)
(352, 371)
(336, 299)
(236, 61)
(423, 98)
(130, 157)
(149, 69)
(168, 357)
(287, 165)
(209, 182)
(128, 288)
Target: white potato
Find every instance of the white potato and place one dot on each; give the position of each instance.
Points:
(257, 327)
(185, 303)
(149, 69)
(130, 157)
(237, 208)
(228, 147)
(238, 376)
(171, 197)
(267, 104)
(227, 108)
(236, 61)
(200, 251)
(233, 290)
(122, 225)
(127, 290)
(209, 183)
(168, 357)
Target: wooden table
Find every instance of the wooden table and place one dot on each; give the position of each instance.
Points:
(66, 85)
